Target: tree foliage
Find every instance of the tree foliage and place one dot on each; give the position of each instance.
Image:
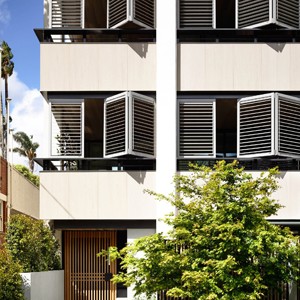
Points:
(10, 278)
(7, 65)
(27, 174)
(220, 245)
(31, 243)
(27, 147)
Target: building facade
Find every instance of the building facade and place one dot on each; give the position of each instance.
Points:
(136, 89)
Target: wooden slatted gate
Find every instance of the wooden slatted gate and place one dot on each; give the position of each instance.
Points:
(86, 275)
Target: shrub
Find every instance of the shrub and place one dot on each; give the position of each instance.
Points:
(27, 174)
(10, 278)
(31, 243)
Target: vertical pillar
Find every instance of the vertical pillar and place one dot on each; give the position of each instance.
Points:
(166, 98)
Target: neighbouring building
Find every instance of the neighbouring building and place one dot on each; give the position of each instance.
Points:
(135, 90)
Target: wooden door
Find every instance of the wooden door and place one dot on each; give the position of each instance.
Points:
(86, 275)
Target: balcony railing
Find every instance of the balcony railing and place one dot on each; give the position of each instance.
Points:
(145, 164)
(98, 35)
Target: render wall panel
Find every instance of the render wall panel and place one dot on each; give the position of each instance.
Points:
(97, 195)
(238, 67)
(98, 67)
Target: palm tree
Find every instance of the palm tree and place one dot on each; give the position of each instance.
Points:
(27, 147)
(7, 68)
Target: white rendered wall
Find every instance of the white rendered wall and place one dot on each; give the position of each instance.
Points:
(166, 97)
(43, 285)
(239, 67)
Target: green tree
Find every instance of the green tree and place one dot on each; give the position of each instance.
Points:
(220, 245)
(27, 174)
(31, 243)
(7, 68)
(27, 147)
(10, 278)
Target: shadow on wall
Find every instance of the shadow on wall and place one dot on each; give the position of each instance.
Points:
(139, 177)
(140, 48)
(278, 47)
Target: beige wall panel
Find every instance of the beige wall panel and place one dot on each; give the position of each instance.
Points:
(98, 67)
(97, 195)
(239, 67)
(24, 195)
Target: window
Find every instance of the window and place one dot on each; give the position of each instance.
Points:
(67, 13)
(238, 13)
(265, 125)
(204, 14)
(269, 125)
(67, 128)
(252, 14)
(129, 125)
(139, 12)
(196, 130)
(103, 13)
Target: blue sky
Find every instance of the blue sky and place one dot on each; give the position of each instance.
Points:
(17, 30)
(18, 18)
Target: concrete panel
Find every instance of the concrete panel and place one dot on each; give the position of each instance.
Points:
(43, 285)
(24, 196)
(97, 195)
(98, 67)
(238, 67)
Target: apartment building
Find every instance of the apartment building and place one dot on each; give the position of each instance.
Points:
(135, 90)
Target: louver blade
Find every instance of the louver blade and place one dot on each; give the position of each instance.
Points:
(196, 13)
(288, 126)
(66, 13)
(117, 12)
(255, 126)
(253, 13)
(144, 12)
(115, 127)
(66, 129)
(288, 13)
(196, 129)
(143, 126)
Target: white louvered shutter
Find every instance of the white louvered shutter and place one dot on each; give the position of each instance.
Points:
(67, 128)
(197, 14)
(253, 13)
(129, 125)
(142, 125)
(116, 125)
(287, 12)
(288, 125)
(256, 126)
(67, 13)
(256, 13)
(140, 12)
(197, 133)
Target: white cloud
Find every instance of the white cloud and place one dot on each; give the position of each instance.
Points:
(4, 12)
(27, 111)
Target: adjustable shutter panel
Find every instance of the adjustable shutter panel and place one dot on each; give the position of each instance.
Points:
(66, 128)
(288, 13)
(253, 13)
(288, 126)
(143, 125)
(196, 13)
(117, 13)
(115, 128)
(256, 126)
(66, 13)
(196, 129)
(144, 11)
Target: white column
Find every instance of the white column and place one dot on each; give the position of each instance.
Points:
(166, 97)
